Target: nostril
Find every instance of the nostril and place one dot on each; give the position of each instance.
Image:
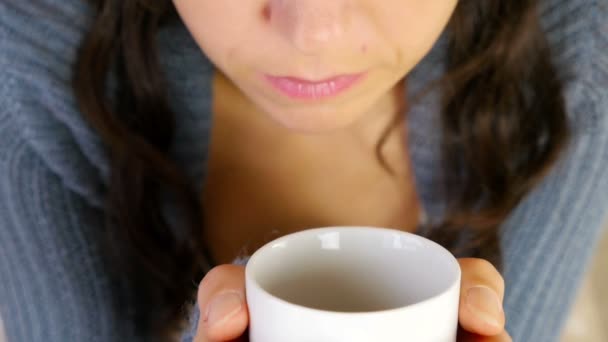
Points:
(266, 12)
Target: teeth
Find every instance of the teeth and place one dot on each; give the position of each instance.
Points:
(323, 89)
(316, 90)
(332, 86)
(312, 90)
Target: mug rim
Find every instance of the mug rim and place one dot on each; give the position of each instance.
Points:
(252, 283)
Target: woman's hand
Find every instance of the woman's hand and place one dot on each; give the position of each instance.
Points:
(221, 299)
(481, 314)
(224, 316)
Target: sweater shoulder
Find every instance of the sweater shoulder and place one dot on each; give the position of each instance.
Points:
(577, 31)
(38, 43)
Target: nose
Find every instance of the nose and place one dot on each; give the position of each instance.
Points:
(309, 25)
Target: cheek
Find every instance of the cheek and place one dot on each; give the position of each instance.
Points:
(414, 26)
(217, 26)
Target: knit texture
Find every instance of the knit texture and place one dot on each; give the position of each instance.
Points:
(54, 283)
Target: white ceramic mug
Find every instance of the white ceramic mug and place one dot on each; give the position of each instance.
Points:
(352, 284)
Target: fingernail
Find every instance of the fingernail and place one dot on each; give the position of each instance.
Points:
(222, 307)
(485, 304)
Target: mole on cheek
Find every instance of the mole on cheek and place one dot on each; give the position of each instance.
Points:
(363, 48)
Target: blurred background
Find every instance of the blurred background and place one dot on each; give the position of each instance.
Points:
(588, 320)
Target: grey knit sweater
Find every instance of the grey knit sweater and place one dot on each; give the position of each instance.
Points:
(53, 173)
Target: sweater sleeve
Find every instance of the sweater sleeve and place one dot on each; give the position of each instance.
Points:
(548, 241)
(550, 237)
(54, 284)
(54, 274)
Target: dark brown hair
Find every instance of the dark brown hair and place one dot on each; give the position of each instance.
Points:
(503, 116)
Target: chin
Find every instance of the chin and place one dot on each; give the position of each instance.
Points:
(312, 123)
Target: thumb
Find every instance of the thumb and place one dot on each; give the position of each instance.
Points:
(221, 299)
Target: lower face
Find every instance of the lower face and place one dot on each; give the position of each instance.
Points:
(315, 65)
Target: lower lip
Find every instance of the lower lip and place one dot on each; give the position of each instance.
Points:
(306, 90)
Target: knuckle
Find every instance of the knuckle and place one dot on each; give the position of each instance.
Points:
(500, 281)
(485, 269)
(214, 277)
(483, 265)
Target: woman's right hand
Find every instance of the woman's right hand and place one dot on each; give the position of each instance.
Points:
(221, 299)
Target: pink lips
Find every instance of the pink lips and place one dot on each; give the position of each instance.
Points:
(313, 90)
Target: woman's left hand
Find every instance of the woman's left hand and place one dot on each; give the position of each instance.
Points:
(481, 315)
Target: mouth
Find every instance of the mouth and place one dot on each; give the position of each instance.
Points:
(301, 89)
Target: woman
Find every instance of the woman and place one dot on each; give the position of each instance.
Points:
(479, 124)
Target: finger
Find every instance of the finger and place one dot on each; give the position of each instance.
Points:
(465, 336)
(481, 296)
(221, 299)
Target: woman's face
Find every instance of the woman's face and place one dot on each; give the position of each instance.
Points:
(370, 44)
